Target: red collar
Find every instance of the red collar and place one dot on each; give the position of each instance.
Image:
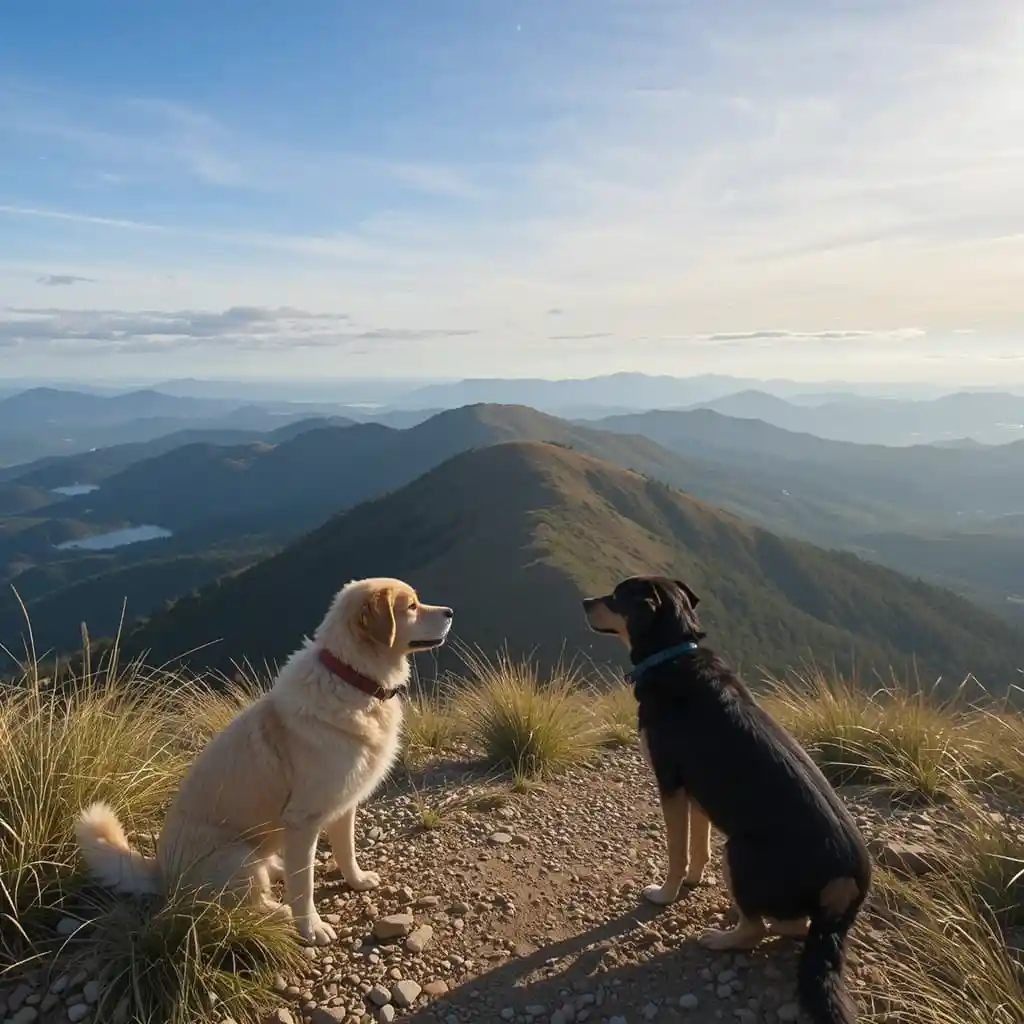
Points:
(337, 667)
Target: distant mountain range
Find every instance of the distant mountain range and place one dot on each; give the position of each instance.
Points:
(514, 534)
(953, 515)
(46, 421)
(992, 417)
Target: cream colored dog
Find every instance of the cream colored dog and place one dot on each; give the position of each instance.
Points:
(297, 761)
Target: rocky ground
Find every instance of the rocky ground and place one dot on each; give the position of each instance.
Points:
(525, 907)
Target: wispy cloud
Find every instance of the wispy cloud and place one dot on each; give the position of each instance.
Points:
(63, 280)
(155, 332)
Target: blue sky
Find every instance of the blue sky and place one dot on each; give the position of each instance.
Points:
(812, 188)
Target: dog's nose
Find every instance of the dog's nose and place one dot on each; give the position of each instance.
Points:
(448, 613)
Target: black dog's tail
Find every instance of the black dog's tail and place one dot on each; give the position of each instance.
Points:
(823, 993)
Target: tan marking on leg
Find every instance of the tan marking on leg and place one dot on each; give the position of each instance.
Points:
(789, 929)
(645, 750)
(700, 844)
(839, 895)
(676, 809)
(748, 932)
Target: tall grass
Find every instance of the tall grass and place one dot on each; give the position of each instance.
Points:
(523, 722)
(954, 966)
(906, 739)
(123, 734)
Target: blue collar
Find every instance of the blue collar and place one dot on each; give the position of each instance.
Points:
(658, 659)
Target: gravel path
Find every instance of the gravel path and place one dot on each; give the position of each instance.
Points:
(526, 908)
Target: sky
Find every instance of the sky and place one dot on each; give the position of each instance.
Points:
(817, 189)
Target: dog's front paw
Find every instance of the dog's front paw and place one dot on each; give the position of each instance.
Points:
(364, 881)
(314, 931)
(660, 895)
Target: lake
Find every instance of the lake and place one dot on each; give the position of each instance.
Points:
(115, 538)
(74, 490)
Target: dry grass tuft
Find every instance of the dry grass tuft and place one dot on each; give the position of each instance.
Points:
(530, 726)
(906, 740)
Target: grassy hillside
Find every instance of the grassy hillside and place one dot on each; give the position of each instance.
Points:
(513, 535)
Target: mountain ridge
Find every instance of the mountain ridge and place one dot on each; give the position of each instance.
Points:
(514, 534)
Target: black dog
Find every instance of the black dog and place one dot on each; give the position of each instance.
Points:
(792, 850)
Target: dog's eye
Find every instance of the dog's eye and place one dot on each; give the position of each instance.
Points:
(413, 606)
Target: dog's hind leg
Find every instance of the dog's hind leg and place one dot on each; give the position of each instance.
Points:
(789, 929)
(676, 809)
(748, 931)
(341, 833)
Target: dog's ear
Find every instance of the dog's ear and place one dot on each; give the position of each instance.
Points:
(690, 595)
(378, 617)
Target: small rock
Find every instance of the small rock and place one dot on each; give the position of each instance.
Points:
(26, 1015)
(60, 984)
(436, 988)
(788, 1011)
(68, 926)
(458, 909)
(16, 1000)
(91, 992)
(386, 1014)
(536, 1010)
(78, 1012)
(508, 1013)
(378, 995)
(280, 1016)
(650, 1011)
(394, 926)
(617, 1020)
(326, 1015)
(907, 859)
(419, 939)
(689, 1001)
(427, 902)
(405, 993)
(499, 838)
(404, 896)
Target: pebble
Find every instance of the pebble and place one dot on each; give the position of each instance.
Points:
(650, 1011)
(26, 1015)
(689, 1001)
(78, 1012)
(386, 1014)
(68, 926)
(92, 992)
(394, 926)
(788, 1011)
(378, 995)
(499, 838)
(436, 988)
(419, 939)
(618, 1020)
(405, 993)
(16, 1000)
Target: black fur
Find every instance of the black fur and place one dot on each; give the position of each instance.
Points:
(788, 834)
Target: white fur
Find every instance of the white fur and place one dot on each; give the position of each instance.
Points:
(297, 761)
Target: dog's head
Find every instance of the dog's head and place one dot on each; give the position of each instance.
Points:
(386, 616)
(646, 610)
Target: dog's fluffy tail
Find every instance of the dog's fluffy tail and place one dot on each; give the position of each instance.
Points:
(111, 861)
(823, 993)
